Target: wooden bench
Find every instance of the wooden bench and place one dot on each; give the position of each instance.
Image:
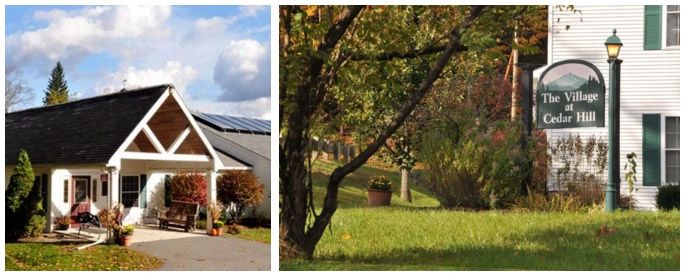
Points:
(180, 214)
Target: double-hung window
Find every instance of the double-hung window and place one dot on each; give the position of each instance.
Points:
(672, 150)
(661, 27)
(672, 25)
(130, 188)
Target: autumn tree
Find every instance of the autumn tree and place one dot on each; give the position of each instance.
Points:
(240, 188)
(381, 61)
(57, 91)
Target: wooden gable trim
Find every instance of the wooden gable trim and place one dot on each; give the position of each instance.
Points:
(115, 160)
(193, 123)
(179, 140)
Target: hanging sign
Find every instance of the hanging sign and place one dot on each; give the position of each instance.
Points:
(570, 94)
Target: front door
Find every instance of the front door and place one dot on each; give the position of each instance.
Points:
(81, 196)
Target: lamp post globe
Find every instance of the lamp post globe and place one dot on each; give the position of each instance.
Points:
(612, 192)
(613, 45)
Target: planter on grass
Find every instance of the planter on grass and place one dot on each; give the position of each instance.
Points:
(379, 191)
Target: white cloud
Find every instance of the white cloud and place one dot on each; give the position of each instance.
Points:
(173, 72)
(250, 11)
(71, 36)
(243, 71)
(257, 108)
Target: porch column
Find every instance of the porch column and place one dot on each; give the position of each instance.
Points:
(113, 191)
(211, 176)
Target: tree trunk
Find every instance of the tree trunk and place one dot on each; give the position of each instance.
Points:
(405, 192)
(294, 187)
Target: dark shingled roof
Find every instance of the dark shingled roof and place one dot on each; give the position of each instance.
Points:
(79, 132)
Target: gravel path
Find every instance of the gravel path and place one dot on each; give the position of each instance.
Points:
(195, 251)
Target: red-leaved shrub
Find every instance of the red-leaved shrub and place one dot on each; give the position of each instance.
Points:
(240, 188)
(189, 187)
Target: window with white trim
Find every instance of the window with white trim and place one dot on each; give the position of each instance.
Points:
(672, 25)
(672, 150)
(130, 188)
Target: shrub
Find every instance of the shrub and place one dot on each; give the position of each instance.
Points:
(63, 220)
(23, 202)
(581, 166)
(234, 229)
(201, 224)
(380, 182)
(240, 188)
(472, 162)
(668, 197)
(35, 226)
(189, 187)
(554, 203)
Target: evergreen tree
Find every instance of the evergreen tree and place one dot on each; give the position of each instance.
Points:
(19, 188)
(57, 91)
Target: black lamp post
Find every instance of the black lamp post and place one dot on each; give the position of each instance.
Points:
(612, 191)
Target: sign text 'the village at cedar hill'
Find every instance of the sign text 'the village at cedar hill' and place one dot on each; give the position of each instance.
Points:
(570, 94)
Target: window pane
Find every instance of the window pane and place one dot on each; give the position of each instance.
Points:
(129, 183)
(672, 158)
(673, 175)
(673, 7)
(672, 124)
(672, 132)
(129, 199)
(673, 29)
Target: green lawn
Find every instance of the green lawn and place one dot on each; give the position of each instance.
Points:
(50, 256)
(417, 237)
(258, 234)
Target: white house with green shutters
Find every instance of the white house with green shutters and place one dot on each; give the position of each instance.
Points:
(650, 84)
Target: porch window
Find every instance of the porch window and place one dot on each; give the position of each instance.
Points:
(672, 149)
(105, 187)
(130, 187)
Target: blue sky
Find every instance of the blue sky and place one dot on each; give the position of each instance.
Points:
(218, 57)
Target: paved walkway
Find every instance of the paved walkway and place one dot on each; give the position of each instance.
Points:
(179, 250)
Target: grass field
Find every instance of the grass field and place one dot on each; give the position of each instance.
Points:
(51, 256)
(418, 237)
(258, 234)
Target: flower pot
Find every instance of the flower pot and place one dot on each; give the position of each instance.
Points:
(214, 232)
(62, 227)
(220, 231)
(126, 240)
(379, 198)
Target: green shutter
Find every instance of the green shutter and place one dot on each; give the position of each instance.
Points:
(142, 196)
(652, 27)
(167, 191)
(651, 149)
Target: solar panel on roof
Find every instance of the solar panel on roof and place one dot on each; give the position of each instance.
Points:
(235, 124)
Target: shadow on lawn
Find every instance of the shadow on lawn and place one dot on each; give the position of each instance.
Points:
(635, 245)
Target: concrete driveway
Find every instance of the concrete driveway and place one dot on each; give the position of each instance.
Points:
(179, 250)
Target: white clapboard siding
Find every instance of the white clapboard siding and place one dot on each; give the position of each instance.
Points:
(650, 79)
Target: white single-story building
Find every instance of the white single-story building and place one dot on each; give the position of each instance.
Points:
(94, 153)
(240, 141)
(650, 84)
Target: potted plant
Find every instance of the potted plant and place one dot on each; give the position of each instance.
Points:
(379, 191)
(126, 234)
(217, 228)
(63, 222)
